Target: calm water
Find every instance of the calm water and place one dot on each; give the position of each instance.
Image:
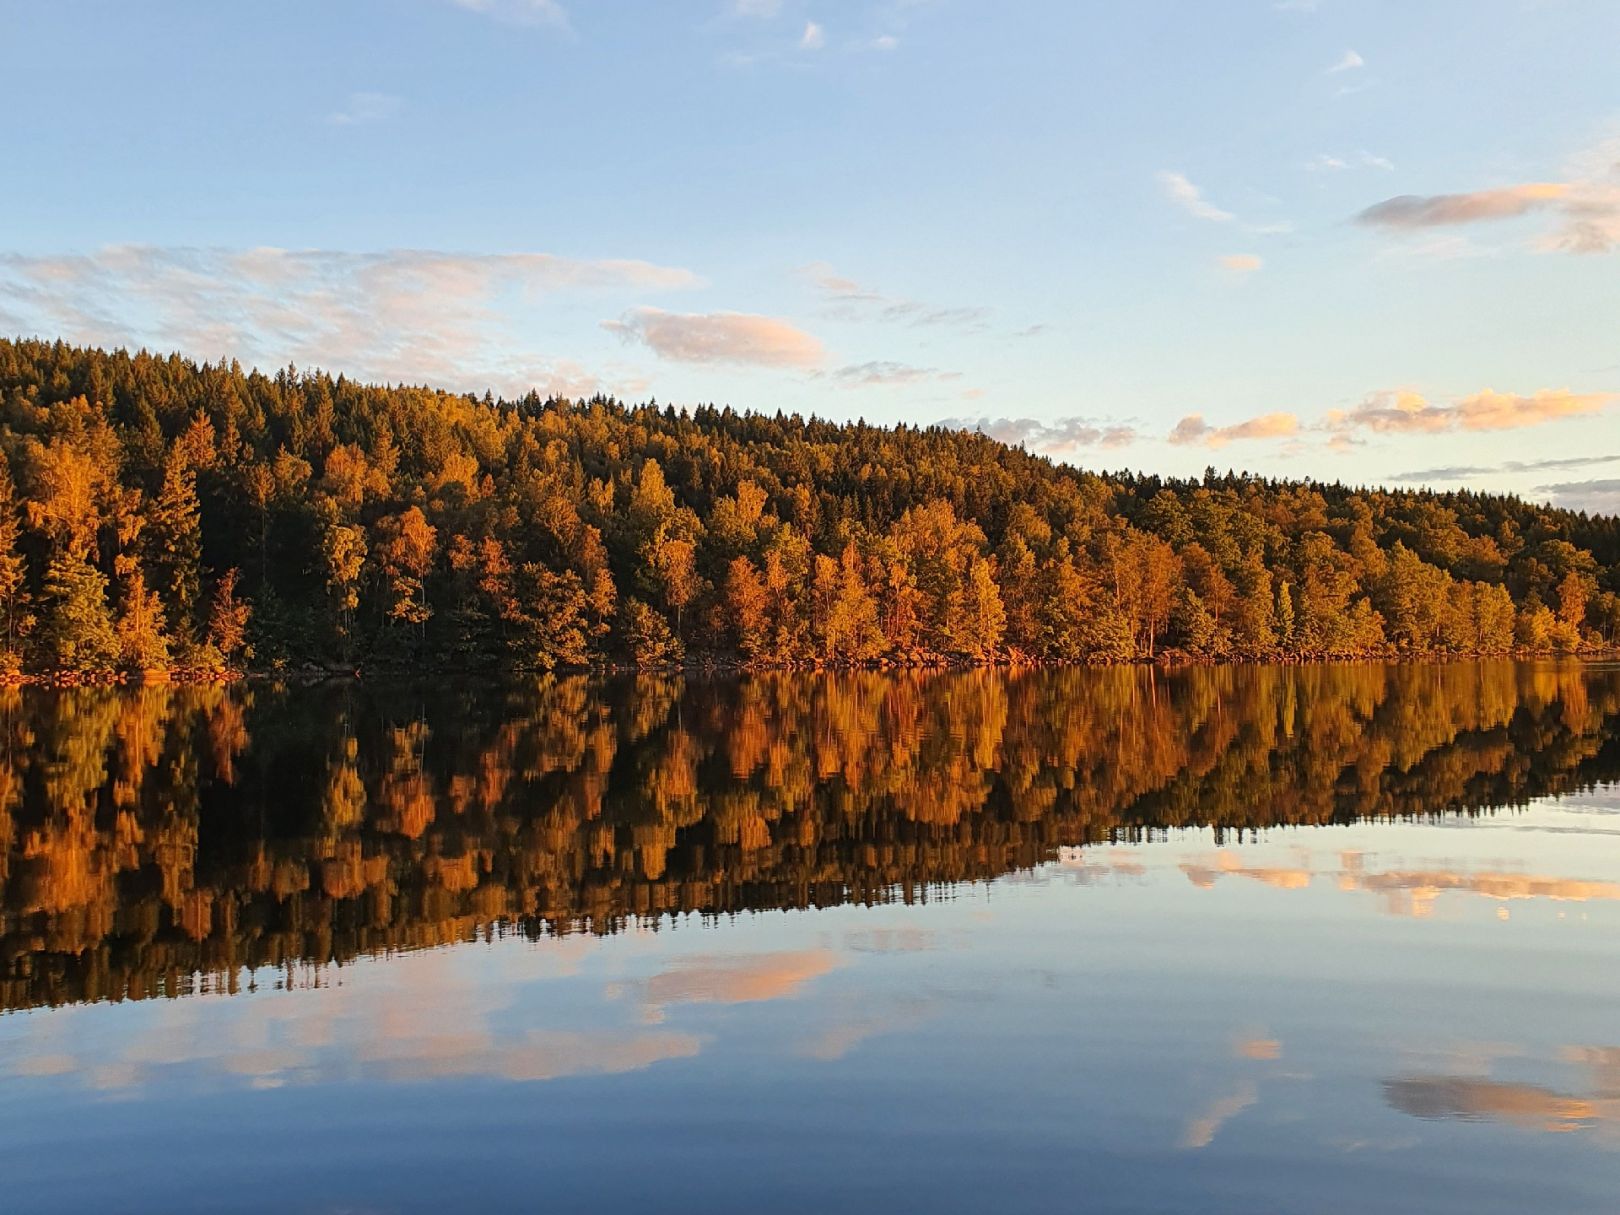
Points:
(1320, 939)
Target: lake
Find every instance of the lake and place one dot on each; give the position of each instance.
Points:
(1248, 939)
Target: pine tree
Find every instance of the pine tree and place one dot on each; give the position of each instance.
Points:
(174, 533)
(78, 633)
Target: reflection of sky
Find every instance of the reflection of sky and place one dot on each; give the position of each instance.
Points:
(1170, 1026)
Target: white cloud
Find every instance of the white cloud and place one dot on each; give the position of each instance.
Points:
(1348, 62)
(719, 337)
(520, 12)
(412, 315)
(1241, 263)
(1190, 199)
(365, 108)
(884, 42)
(813, 38)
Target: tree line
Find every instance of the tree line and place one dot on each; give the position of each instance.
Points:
(157, 512)
(161, 839)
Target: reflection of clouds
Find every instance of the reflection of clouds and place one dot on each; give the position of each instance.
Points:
(1091, 866)
(1478, 1098)
(839, 1039)
(1226, 864)
(1475, 1100)
(536, 1055)
(1413, 892)
(420, 1017)
(904, 938)
(1403, 891)
(1263, 1049)
(1201, 1131)
(743, 979)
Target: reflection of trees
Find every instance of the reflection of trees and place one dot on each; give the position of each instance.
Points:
(157, 835)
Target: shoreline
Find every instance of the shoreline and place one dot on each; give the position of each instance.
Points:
(62, 678)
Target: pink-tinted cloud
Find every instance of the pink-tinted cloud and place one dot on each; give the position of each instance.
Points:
(1404, 412)
(1419, 211)
(1192, 430)
(1586, 205)
(720, 337)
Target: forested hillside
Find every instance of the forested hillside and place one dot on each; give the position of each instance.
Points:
(157, 512)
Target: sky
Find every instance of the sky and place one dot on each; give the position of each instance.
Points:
(1351, 240)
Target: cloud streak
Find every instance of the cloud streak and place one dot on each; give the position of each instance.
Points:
(738, 338)
(1458, 472)
(1191, 199)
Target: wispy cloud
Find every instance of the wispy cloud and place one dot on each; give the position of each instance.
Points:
(1324, 162)
(520, 12)
(763, 9)
(854, 300)
(1192, 430)
(1191, 199)
(410, 315)
(1350, 61)
(886, 374)
(813, 38)
(1459, 472)
(1241, 263)
(363, 108)
(719, 337)
(1052, 436)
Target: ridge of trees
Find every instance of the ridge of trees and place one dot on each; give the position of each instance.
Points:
(157, 512)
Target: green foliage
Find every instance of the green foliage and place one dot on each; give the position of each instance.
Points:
(407, 526)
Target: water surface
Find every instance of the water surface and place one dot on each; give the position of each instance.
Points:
(1316, 939)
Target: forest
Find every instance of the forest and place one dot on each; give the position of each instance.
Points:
(163, 840)
(159, 514)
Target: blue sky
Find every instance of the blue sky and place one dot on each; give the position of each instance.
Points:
(1342, 238)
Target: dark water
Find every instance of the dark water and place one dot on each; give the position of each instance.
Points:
(1315, 939)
